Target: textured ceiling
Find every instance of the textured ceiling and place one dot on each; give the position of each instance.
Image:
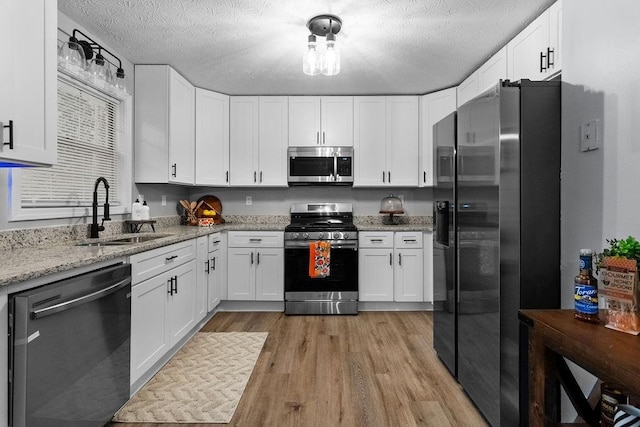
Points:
(255, 47)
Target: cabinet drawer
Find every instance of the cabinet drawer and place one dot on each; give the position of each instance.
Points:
(369, 239)
(151, 263)
(215, 241)
(252, 239)
(408, 240)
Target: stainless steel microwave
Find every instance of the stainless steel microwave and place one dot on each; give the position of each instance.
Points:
(320, 166)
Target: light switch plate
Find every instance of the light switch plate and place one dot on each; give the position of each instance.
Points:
(164, 200)
(590, 136)
(249, 200)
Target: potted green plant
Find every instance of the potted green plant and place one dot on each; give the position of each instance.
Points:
(618, 267)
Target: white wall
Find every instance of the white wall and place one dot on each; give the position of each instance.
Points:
(601, 80)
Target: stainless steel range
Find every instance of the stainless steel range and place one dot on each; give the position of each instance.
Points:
(308, 288)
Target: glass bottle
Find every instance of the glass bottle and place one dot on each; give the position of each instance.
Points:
(586, 289)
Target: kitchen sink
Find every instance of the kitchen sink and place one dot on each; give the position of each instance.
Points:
(124, 240)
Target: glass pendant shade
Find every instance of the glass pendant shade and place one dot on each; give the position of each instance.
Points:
(331, 57)
(311, 59)
(71, 57)
(100, 72)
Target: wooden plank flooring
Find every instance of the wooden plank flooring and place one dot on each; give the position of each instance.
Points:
(373, 369)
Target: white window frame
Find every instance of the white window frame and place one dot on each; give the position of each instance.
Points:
(18, 213)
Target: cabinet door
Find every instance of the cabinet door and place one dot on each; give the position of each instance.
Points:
(212, 138)
(269, 274)
(215, 279)
(402, 141)
(375, 275)
(181, 129)
(182, 304)
(433, 108)
(492, 71)
(555, 38)
(273, 135)
(468, 89)
(241, 268)
(28, 83)
(370, 130)
(4, 349)
(337, 120)
(149, 328)
(243, 146)
(304, 121)
(203, 273)
(407, 275)
(525, 50)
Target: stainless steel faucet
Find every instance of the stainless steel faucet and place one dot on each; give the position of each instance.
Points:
(95, 228)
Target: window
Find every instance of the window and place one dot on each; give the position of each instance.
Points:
(94, 135)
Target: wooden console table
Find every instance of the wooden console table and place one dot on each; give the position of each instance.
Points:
(612, 356)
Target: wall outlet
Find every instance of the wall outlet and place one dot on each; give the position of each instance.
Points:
(590, 136)
(249, 201)
(164, 200)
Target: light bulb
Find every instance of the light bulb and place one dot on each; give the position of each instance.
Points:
(311, 59)
(331, 57)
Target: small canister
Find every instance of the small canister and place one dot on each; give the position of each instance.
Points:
(611, 397)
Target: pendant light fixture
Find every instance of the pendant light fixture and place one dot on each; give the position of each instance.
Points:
(325, 58)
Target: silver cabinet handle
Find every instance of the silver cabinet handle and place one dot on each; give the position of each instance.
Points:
(36, 314)
(10, 127)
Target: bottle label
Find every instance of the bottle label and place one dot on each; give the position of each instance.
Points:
(585, 262)
(586, 299)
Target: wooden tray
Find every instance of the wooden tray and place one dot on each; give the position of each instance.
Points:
(210, 202)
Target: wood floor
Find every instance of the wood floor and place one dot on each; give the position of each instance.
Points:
(373, 369)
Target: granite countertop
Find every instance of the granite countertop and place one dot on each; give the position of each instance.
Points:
(30, 262)
(42, 255)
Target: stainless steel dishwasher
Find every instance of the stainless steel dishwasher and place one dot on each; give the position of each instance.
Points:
(70, 347)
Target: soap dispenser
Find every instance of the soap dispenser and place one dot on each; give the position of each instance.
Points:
(136, 210)
(145, 211)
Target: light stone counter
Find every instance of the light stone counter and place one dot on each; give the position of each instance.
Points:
(32, 253)
(54, 249)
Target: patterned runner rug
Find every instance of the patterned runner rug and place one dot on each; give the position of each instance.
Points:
(202, 383)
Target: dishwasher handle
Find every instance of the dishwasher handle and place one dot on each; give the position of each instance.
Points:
(43, 312)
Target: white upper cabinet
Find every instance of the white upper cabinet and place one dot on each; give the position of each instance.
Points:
(320, 120)
(492, 71)
(433, 108)
(258, 141)
(212, 138)
(535, 53)
(483, 78)
(164, 126)
(386, 141)
(28, 83)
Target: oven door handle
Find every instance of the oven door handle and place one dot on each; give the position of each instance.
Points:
(37, 314)
(305, 245)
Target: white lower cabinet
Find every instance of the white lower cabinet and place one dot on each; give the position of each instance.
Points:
(163, 307)
(255, 266)
(216, 266)
(391, 266)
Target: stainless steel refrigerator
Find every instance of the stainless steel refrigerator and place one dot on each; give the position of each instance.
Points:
(497, 237)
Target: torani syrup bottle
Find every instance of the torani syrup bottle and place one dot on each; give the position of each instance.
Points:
(586, 289)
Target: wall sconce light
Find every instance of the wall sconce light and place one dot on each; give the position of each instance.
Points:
(78, 57)
(322, 59)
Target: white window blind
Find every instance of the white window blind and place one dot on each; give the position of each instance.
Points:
(88, 138)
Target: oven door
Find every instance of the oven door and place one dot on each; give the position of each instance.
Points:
(335, 294)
